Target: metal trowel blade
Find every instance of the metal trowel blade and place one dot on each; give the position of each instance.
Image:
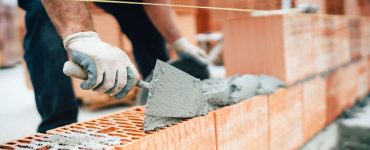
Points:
(174, 93)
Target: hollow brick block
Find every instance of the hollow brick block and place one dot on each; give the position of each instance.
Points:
(313, 106)
(243, 125)
(363, 78)
(285, 118)
(278, 45)
(341, 91)
(331, 44)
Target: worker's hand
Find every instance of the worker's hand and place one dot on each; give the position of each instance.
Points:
(108, 68)
(187, 50)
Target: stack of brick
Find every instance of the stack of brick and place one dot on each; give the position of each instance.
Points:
(324, 59)
(285, 119)
(211, 20)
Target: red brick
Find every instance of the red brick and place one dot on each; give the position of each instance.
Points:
(365, 36)
(243, 125)
(325, 6)
(363, 78)
(314, 106)
(331, 42)
(354, 28)
(322, 43)
(277, 45)
(341, 91)
(211, 20)
(285, 113)
(195, 133)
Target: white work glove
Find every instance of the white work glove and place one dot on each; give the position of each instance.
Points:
(108, 68)
(187, 50)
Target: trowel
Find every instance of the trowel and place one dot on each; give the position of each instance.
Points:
(172, 92)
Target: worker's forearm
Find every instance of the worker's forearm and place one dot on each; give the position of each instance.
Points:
(163, 18)
(69, 17)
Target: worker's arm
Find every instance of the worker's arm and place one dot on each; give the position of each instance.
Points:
(108, 68)
(163, 18)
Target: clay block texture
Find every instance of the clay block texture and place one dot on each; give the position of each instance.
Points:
(285, 118)
(341, 91)
(313, 106)
(243, 125)
(363, 78)
(287, 55)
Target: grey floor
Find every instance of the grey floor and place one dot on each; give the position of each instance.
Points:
(18, 114)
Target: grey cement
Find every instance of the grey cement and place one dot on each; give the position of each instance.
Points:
(175, 94)
(75, 140)
(268, 85)
(243, 87)
(153, 122)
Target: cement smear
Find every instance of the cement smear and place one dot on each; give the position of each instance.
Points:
(153, 122)
(75, 140)
(175, 94)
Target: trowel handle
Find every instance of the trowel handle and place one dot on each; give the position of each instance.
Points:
(73, 70)
(143, 84)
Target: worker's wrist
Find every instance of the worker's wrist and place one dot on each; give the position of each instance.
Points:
(89, 35)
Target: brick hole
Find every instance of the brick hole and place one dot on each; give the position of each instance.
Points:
(118, 135)
(93, 127)
(107, 130)
(65, 128)
(107, 123)
(133, 130)
(24, 146)
(126, 140)
(6, 147)
(90, 123)
(30, 138)
(138, 109)
(23, 141)
(136, 134)
(127, 126)
(78, 131)
(77, 127)
(11, 143)
(135, 138)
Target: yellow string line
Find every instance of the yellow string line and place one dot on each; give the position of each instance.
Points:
(174, 5)
(210, 7)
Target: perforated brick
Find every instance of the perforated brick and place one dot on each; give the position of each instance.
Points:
(313, 106)
(243, 125)
(277, 45)
(285, 118)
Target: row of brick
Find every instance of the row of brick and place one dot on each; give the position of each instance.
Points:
(292, 47)
(285, 119)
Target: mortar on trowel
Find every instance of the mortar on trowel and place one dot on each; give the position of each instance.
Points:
(173, 94)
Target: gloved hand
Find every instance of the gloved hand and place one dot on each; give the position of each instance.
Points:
(108, 68)
(187, 50)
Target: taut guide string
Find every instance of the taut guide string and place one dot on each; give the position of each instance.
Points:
(210, 7)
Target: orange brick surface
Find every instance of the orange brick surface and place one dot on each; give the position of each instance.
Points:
(363, 78)
(341, 91)
(243, 125)
(277, 45)
(285, 116)
(196, 133)
(313, 107)
(331, 42)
